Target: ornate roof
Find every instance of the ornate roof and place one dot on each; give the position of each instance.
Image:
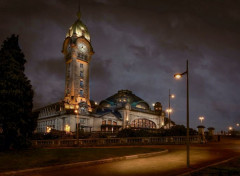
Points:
(79, 29)
(123, 97)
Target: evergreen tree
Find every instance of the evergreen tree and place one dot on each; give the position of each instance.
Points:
(16, 96)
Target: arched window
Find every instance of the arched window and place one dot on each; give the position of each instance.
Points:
(143, 123)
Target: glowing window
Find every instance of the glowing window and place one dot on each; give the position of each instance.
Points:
(67, 128)
(143, 123)
(49, 129)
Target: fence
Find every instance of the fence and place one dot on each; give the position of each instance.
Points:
(116, 141)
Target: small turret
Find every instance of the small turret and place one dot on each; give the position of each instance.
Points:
(158, 108)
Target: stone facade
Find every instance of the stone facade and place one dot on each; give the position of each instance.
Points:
(122, 110)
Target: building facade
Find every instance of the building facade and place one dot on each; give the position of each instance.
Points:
(122, 110)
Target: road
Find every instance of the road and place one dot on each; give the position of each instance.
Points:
(171, 163)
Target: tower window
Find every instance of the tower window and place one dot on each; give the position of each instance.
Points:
(81, 74)
(81, 93)
(82, 57)
(81, 83)
(81, 65)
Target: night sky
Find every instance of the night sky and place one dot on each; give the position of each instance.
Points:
(139, 45)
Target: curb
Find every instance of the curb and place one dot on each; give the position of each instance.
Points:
(82, 164)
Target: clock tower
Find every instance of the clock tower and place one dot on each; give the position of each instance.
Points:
(77, 52)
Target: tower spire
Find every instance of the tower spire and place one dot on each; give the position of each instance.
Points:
(79, 13)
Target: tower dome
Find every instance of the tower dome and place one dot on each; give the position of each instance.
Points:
(79, 29)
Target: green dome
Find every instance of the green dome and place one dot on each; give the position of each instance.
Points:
(123, 97)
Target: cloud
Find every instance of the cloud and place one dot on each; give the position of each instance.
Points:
(139, 45)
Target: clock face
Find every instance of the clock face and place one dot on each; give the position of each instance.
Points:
(82, 47)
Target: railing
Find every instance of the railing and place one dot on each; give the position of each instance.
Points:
(116, 141)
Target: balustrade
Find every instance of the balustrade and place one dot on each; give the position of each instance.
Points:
(116, 141)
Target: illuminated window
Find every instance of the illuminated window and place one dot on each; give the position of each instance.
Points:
(67, 128)
(109, 122)
(48, 129)
(104, 122)
(114, 123)
(143, 123)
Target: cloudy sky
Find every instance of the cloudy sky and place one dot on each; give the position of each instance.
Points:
(139, 45)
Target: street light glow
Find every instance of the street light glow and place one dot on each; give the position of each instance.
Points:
(172, 96)
(169, 110)
(201, 118)
(230, 128)
(237, 124)
(76, 111)
(177, 76)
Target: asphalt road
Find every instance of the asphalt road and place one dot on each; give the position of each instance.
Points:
(171, 163)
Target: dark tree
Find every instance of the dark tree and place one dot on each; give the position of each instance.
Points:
(16, 96)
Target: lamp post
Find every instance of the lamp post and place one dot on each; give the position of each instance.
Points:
(76, 112)
(201, 119)
(178, 76)
(169, 106)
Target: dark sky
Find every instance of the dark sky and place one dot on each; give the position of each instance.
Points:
(139, 45)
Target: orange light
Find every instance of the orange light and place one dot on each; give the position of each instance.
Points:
(49, 129)
(230, 128)
(177, 76)
(67, 128)
(76, 111)
(169, 110)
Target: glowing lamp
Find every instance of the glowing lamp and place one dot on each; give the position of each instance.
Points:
(177, 76)
(169, 110)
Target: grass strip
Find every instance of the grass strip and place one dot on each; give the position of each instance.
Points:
(25, 159)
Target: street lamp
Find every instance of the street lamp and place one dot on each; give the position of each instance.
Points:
(237, 124)
(178, 76)
(169, 106)
(201, 118)
(76, 112)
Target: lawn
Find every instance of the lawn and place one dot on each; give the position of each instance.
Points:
(17, 160)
